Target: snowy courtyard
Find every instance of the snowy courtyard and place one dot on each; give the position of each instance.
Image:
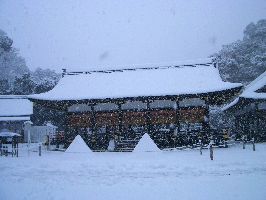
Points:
(235, 173)
(133, 100)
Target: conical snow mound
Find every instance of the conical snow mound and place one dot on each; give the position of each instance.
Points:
(78, 146)
(146, 144)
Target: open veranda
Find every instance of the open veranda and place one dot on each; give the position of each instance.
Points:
(235, 173)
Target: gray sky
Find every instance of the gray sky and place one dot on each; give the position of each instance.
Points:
(60, 34)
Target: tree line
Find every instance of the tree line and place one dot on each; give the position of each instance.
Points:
(15, 76)
(241, 61)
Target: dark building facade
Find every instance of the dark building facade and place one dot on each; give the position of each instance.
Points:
(249, 111)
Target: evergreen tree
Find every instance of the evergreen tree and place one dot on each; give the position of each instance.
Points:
(244, 60)
(23, 85)
(45, 80)
(4, 87)
(11, 64)
(43, 87)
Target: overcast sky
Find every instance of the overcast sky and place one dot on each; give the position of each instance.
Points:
(60, 34)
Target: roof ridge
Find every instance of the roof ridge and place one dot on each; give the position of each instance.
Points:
(137, 68)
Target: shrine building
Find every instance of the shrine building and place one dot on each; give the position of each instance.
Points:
(167, 102)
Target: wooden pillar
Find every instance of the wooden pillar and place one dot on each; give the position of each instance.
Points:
(148, 117)
(66, 130)
(92, 118)
(177, 113)
(120, 118)
(256, 120)
(207, 118)
(241, 129)
(211, 152)
(236, 125)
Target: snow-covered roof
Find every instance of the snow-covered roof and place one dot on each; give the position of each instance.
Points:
(8, 134)
(15, 107)
(250, 90)
(23, 118)
(156, 81)
(231, 104)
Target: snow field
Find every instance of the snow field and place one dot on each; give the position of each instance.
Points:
(234, 174)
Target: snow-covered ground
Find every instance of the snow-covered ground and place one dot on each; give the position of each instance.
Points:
(234, 173)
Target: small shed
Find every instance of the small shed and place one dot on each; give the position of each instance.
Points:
(14, 111)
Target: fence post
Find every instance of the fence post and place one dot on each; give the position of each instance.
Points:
(244, 138)
(211, 152)
(17, 148)
(253, 143)
(13, 148)
(200, 147)
(40, 150)
(6, 150)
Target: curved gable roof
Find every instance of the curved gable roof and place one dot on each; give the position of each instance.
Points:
(157, 81)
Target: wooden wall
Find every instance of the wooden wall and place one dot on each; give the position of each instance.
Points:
(134, 118)
(192, 115)
(163, 117)
(79, 120)
(137, 118)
